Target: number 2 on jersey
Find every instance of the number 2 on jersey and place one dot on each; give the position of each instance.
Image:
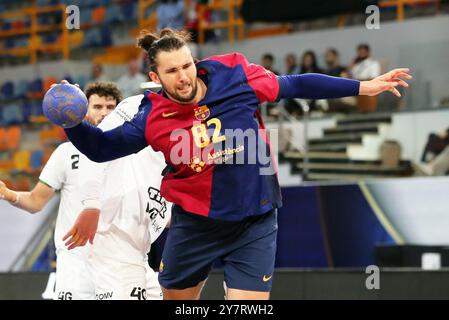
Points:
(76, 160)
(201, 137)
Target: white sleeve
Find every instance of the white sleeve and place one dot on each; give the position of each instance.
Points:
(125, 111)
(54, 174)
(92, 174)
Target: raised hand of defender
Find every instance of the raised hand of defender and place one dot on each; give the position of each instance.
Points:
(83, 230)
(64, 82)
(7, 194)
(386, 82)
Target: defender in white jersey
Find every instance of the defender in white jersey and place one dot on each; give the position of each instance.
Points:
(133, 214)
(61, 173)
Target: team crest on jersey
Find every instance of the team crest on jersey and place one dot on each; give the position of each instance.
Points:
(196, 164)
(202, 113)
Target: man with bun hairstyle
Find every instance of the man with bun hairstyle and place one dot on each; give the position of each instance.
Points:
(225, 194)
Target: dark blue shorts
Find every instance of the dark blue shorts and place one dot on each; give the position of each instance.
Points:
(246, 249)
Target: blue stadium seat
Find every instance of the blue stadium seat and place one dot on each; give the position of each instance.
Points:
(49, 38)
(36, 159)
(35, 86)
(27, 111)
(92, 38)
(10, 43)
(113, 14)
(106, 36)
(12, 114)
(7, 90)
(42, 3)
(21, 89)
(22, 42)
(129, 10)
(36, 108)
(86, 15)
(6, 25)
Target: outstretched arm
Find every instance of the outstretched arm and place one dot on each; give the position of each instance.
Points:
(104, 146)
(319, 86)
(33, 201)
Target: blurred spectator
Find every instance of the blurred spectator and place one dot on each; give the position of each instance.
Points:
(291, 64)
(436, 143)
(268, 62)
(364, 67)
(309, 63)
(292, 107)
(439, 165)
(333, 67)
(98, 73)
(192, 16)
(170, 13)
(130, 83)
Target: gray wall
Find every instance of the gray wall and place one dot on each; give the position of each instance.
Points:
(17, 230)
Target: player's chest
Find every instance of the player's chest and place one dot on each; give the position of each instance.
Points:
(200, 124)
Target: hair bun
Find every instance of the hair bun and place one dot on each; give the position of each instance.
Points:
(146, 39)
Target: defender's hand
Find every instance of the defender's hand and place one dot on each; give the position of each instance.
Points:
(64, 82)
(7, 194)
(386, 82)
(83, 230)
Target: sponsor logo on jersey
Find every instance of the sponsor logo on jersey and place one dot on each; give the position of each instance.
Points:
(168, 114)
(104, 296)
(202, 113)
(156, 209)
(196, 164)
(222, 156)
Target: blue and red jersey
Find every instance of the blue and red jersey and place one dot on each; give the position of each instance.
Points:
(213, 171)
(215, 176)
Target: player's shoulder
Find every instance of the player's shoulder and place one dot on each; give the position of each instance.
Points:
(130, 101)
(65, 148)
(63, 153)
(230, 59)
(124, 111)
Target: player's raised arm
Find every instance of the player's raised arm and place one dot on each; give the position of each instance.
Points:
(104, 146)
(318, 86)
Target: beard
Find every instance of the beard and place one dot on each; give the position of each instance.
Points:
(182, 99)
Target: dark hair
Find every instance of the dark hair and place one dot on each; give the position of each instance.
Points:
(104, 89)
(313, 67)
(333, 51)
(268, 56)
(363, 46)
(166, 40)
